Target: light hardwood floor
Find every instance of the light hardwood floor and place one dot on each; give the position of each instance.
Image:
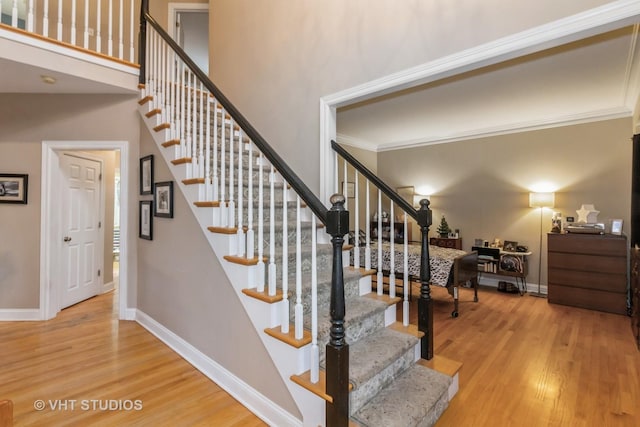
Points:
(526, 363)
(87, 354)
(530, 363)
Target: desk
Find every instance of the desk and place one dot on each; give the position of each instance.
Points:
(504, 263)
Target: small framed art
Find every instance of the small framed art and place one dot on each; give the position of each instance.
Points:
(510, 246)
(13, 188)
(616, 226)
(146, 220)
(146, 175)
(163, 199)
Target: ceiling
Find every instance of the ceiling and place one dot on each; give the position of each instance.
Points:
(596, 78)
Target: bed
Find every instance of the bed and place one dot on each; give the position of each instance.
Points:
(450, 268)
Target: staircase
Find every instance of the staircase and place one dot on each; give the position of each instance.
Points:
(388, 386)
(267, 229)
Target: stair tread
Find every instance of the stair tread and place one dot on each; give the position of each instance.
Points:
(375, 352)
(417, 397)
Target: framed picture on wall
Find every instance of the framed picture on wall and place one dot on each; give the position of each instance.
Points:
(163, 199)
(13, 188)
(349, 189)
(510, 246)
(146, 175)
(146, 220)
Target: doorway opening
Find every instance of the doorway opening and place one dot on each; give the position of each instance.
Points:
(189, 27)
(53, 235)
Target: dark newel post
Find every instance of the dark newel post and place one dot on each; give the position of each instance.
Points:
(635, 192)
(337, 413)
(425, 303)
(142, 41)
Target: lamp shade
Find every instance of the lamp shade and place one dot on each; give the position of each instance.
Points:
(542, 200)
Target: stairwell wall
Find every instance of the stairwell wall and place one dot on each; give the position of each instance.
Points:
(182, 286)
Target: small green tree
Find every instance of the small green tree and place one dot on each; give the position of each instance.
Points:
(443, 228)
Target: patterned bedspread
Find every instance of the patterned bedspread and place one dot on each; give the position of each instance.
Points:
(441, 261)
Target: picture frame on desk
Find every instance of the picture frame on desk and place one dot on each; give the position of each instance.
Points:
(510, 246)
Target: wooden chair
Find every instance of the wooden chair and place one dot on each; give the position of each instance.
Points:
(6, 413)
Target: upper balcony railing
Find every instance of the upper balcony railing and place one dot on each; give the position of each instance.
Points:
(105, 27)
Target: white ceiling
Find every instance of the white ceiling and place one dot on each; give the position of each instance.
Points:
(596, 78)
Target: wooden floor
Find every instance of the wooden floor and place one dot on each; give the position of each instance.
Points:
(531, 363)
(526, 363)
(89, 368)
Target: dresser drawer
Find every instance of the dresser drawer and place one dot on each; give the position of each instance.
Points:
(581, 262)
(588, 244)
(588, 298)
(613, 282)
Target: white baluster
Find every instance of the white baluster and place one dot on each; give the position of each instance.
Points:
(86, 24)
(240, 233)
(207, 161)
(73, 22)
(356, 249)
(380, 277)
(250, 233)
(367, 231)
(132, 33)
(121, 32)
(232, 205)
(14, 14)
(183, 111)
(201, 148)
(194, 126)
(110, 30)
(45, 19)
(188, 120)
(30, 16)
(272, 234)
(392, 260)
(261, 268)
(405, 268)
(284, 326)
(59, 35)
(216, 194)
(345, 185)
(336, 168)
(298, 307)
(315, 351)
(223, 141)
(98, 27)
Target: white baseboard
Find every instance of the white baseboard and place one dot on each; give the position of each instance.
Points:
(19, 314)
(257, 403)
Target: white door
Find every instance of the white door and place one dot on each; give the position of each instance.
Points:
(81, 229)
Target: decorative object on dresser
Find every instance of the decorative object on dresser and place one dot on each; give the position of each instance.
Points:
(588, 271)
(541, 200)
(446, 242)
(635, 294)
(587, 214)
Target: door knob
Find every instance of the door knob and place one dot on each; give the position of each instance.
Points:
(67, 239)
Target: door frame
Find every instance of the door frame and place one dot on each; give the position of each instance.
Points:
(174, 8)
(50, 223)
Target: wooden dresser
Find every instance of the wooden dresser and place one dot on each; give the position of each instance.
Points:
(445, 242)
(635, 294)
(588, 271)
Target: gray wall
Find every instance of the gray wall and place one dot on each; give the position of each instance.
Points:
(182, 285)
(275, 59)
(26, 120)
(482, 185)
